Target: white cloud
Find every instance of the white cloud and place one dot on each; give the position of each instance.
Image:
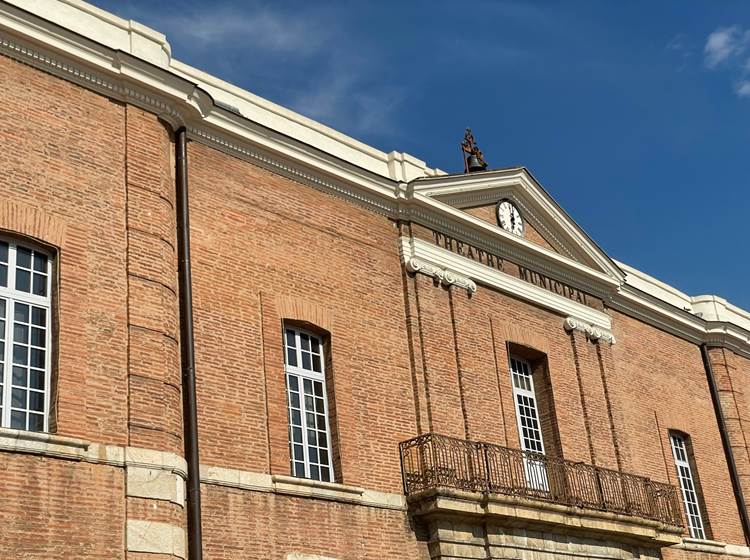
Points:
(725, 44)
(307, 57)
(743, 88)
(253, 26)
(726, 48)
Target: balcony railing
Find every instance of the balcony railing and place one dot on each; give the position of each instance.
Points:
(434, 461)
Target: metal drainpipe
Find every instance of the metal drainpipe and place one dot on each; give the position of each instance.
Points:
(187, 352)
(733, 475)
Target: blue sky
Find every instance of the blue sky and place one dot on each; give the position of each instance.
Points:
(634, 115)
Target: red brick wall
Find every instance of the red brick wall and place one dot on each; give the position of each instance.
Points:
(659, 384)
(260, 241)
(57, 510)
(270, 526)
(62, 162)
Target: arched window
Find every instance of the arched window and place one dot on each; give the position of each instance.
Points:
(25, 327)
(307, 397)
(689, 485)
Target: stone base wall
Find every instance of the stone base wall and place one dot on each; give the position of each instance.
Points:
(460, 540)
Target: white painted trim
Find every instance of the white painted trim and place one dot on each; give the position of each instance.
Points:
(434, 256)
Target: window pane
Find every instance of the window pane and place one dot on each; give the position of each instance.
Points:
(37, 358)
(299, 469)
(37, 337)
(315, 345)
(304, 341)
(3, 252)
(314, 473)
(20, 333)
(298, 454)
(3, 275)
(36, 422)
(294, 399)
(306, 361)
(18, 420)
(316, 363)
(36, 379)
(22, 312)
(290, 338)
(20, 355)
(293, 383)
(23, 257)
(291, 357)
(23, 280)
(36, 401)
(297, 435)
(18, 398)
(19, 376)
(38, 316)
(40, 285)
(40, 263)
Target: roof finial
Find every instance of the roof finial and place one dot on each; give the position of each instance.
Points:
(474, 161)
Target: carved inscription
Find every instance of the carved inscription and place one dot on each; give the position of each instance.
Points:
(493, 261)
(552, 285)
(468, 251)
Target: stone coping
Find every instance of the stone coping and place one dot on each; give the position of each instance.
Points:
(713, 547)
(515, 511)
(64, 447)
(301, 487)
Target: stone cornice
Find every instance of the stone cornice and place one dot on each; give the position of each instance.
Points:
(542, 515)
(127, 61)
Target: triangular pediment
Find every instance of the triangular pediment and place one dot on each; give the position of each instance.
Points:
(546, 224)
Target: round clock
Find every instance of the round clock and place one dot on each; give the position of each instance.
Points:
(509, 217)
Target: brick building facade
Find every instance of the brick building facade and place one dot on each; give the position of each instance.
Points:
(382, 369)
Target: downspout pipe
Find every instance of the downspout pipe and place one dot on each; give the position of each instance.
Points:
(187, 351)
(733, 475)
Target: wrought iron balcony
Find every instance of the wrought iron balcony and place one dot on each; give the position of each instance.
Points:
(433, 461)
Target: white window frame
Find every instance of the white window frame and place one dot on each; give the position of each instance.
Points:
(536, 472)
(690, 498)
(314, 376)
(12, 296)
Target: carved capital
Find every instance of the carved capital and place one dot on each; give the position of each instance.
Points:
(594, 334)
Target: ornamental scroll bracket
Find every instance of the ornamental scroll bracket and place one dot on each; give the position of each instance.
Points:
(445, 276)
(594, 334)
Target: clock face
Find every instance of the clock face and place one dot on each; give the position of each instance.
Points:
(509, 217)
